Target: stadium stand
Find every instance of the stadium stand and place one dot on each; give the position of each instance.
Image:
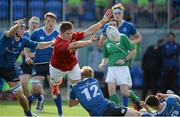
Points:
(56, 9)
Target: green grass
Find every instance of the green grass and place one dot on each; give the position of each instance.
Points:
(12, 108)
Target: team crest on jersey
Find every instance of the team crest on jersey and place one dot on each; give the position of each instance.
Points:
(124, 29)
(41, 38)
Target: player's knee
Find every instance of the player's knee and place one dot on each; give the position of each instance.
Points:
(55, 90)
(36, 82)
(17, 89)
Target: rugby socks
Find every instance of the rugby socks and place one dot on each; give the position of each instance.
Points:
(30, 100)
(114, 98)
(28, 113)
(58, 101)
(39, 97)
(125, 101)
(133, 96)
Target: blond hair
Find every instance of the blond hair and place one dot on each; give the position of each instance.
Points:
(86, 72)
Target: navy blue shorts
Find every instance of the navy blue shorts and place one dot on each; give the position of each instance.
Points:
(115, 110)
(41, 69)
(9, 75)
(26, 68)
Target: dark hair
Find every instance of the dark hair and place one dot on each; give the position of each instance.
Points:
(152, 101)
(65, 26)
(112, 19)
(171, 33)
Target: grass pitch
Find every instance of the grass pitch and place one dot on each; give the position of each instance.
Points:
(12, 108)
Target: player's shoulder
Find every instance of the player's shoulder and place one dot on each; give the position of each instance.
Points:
(128, 23)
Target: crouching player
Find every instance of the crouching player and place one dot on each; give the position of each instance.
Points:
(87, 92)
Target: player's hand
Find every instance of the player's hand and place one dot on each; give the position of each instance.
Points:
(120, 62)
(107, 15)
(101, 67)
(20, 22)
(29, 61)
(93, 38)
(160, 95)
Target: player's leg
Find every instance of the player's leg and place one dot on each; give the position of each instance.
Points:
(26, 71)
(112, 93)
(38, 92)
(123, 79)
(56, 77)
(110, 80)
(13, 80)
(115, 110)
(41, 70)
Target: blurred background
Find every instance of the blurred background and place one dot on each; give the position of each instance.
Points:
(154, 19)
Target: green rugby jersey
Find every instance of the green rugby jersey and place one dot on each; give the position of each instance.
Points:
(115, 51)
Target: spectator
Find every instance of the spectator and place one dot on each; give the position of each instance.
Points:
(151, 65)
(74, 7)
(170, 56)
(101, 6)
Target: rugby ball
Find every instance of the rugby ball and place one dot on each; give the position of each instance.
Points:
(113, 34)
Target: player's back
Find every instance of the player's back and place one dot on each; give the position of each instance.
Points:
(90, 96)
(171, 107)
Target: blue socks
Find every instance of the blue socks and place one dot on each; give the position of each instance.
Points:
(58, 102)
(125, 101)
(28, 113)
(30, 99)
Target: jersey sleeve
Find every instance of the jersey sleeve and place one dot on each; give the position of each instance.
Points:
(171, 100)
(104, 30)
(3, 36)
(72, 94)
(133, 30)
(33, 36)
(127, 43)
(29, 43)
(78, 36)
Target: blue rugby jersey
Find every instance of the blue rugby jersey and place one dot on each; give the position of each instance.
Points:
(10, 49)
(43, 56)
(89, 94)
(126, 28)
(171, 108)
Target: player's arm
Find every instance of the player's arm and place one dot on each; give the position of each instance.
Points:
(137, 38)
(98, 25)
(43, 45)
(162, 95)
(145, 106)
(28, 55)
(81, 44)
(103, 63)
(73, 102)
(101, 41)
(13, 29)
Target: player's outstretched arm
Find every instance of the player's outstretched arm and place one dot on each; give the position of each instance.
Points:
(43, 45)
(137, 38)
(73, 102)
(81, 44)
(14, 28)
(101, 41)
(98, 25)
